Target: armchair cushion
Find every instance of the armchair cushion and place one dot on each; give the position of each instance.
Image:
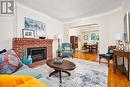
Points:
(67, 53)
(67, 48)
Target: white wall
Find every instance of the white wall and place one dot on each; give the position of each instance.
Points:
(109, 23)
(126, 5)
(52, 26)
(74, 32)
(7, 31)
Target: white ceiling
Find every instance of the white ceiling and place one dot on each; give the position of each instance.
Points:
(66, 10)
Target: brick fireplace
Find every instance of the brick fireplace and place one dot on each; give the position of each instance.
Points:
(25, 43)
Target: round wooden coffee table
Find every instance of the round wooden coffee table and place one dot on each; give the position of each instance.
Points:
(64, 67)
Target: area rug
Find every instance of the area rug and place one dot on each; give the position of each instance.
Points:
(86, 74)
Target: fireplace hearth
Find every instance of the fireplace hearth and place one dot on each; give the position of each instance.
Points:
(37, 53)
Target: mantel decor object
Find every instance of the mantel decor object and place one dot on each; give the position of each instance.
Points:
(26, 33)
(42, 37)
(58, 59)
(38, 26)
(24, 57)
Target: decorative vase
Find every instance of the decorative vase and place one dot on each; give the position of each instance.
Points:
(29, 60)
(24, 57)
(58, 60)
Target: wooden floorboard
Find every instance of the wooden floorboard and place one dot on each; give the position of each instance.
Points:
(114, 80)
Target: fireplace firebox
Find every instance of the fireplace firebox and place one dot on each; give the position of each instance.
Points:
(37, 53)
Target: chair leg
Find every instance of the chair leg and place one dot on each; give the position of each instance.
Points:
(99, 60)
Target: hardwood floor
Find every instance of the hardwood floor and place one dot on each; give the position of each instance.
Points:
(114, 80)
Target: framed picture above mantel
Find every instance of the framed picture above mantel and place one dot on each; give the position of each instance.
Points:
(26, 33)
(36, 25)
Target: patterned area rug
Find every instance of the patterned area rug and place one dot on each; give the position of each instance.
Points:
(86, 74)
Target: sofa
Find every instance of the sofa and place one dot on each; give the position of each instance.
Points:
(11, 64)
(25, 70)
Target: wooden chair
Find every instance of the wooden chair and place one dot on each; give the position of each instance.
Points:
(86, 48)
(94, 48)
(108, 56)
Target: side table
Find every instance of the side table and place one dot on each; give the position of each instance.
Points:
(123, 55)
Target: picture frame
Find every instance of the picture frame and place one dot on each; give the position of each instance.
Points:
(36, 25)
(26, 33)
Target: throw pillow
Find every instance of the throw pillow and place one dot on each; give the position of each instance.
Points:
(67, 48)
(9, 62)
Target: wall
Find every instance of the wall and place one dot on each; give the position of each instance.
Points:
(7, 31)
(109, 23)
(126, 5)
(88, 35)
(53, 26)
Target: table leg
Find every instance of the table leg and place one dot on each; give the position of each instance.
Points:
(128, 68)
(66, 72)
(57, 71)
(90, 49)
(116, 61)
(114, 65)
(123, 60)
(53, 73)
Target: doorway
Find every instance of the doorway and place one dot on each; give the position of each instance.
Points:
(86, 34)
